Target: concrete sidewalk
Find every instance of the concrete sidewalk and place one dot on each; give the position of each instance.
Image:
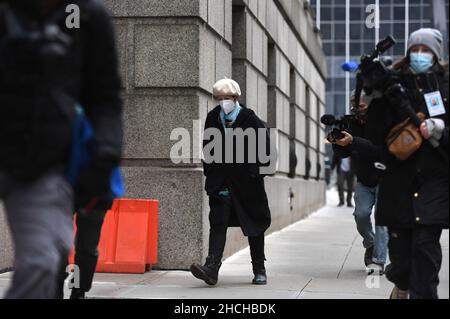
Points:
(320, 257)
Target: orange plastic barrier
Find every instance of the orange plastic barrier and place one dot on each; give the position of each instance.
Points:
(129, 238)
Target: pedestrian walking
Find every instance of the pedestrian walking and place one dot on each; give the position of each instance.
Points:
(237, 196)
(46, 69)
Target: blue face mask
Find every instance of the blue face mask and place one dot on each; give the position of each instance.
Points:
(421, 62)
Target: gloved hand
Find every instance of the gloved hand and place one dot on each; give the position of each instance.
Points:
(432, 130)
(92, 184)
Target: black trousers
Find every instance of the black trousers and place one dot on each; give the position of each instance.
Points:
(89, 227)
(416, 257)
(349, 178)
(218, 235)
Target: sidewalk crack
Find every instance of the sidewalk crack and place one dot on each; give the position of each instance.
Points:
(347, 255)
(307, 284)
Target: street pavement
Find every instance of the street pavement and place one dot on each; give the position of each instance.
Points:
(320, 257)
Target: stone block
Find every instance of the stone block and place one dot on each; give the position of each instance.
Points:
(272, 16)
(262, 98)
(251, 87)
(223, 61)
(156, 8)
(6, 247)
(314, 161)
(122, 47)
(262, 11)
(283, 73)
(228, 21)
(216, 16)
(313, 107)
(149, 121)
(279, 110)
(167, 55)
(208, 65)
(300, 152)
(283, 153)
(300, 125)
(313, 135)
(259, 46)
(299, 94)
(253, 6)
(181, 211)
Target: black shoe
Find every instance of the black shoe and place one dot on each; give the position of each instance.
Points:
(260, 273)
(77, 294)
(209, 273)
(368, 256)
(375, 269)
(350, 206)
(340, 205)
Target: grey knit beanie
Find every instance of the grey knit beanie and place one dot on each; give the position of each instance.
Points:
(432, 38)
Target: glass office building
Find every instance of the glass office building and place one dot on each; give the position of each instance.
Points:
(348, 32)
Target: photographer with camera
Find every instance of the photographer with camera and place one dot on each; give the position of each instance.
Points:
(366, 189)
(46, 70)
(412, 119)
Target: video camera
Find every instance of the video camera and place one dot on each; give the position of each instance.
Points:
(373, 72)
(340, 125)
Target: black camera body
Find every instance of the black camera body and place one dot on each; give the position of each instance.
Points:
(344, 123)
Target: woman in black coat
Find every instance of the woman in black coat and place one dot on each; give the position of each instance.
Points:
(414, 194)
(236, 190)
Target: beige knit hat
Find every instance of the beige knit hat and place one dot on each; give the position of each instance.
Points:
(227, 87)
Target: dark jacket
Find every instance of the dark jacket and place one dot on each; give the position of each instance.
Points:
(363, 166)
(414, 191)
(244, 181)
(36, 106)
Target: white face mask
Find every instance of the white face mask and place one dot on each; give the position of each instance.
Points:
(227, 106)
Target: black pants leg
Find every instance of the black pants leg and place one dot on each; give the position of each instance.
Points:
(257, 248)
(399, 270)
(341, 186)
(416, 257)
(89, 228)
(350, 179)
(426, 262)
(219, 217)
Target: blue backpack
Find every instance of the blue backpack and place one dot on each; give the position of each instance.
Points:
(81, 155)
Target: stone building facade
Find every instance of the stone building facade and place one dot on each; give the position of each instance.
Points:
(171, 53)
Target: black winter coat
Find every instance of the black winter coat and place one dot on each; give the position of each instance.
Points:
(244, 181)
(36, 116)
(414, 191)
(362, 165)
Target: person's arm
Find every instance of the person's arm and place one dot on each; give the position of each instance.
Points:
(362, 146)
(101, 86)
(343, 151)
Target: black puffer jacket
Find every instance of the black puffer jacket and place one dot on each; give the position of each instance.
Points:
(37, 96)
